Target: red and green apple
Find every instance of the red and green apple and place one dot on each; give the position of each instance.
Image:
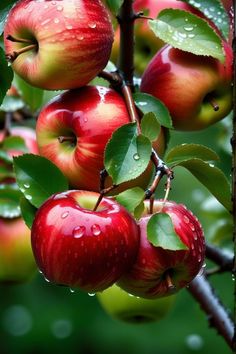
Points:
(197, 90)
(58, 44)
(74, 128)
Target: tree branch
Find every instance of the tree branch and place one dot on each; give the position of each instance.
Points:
(218, 316)
(126, 18)
(224, 260)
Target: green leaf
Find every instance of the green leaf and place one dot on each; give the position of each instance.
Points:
(38, 178)
(28, 211)
(11, 104)
(32, 96)
(187, 32)
(150, 126)
(14, 143)
(214, 11)
(161, 233)
(147, 103)
(127, 154)
(212, 178)
(9, 201)
(186, 152)
(114, 5)
(5, 7)
(6, 75)
(132, 199)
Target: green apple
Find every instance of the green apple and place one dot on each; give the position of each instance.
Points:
(128, 308)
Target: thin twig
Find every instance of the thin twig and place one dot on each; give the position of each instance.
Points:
(218, 316)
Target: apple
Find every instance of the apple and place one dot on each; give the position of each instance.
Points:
(78, 247)
(58, 44)
(146, 42)
(159, 272)
(197, 90)
(132, 309)
(73, 129)
(17, 263)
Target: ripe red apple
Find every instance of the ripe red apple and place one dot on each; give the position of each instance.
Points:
(74, 128)
(79, 247)
(17, 263)
(132, 309)
(196, 89)
(58, 44)
(146, 42)
(157, 271)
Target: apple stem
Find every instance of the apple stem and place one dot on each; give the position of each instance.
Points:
(19, 40)
(214, 104)
(63, 139)
(12, 56)
(169, 283)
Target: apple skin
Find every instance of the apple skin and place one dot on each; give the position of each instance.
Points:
(184, 81)
(146, 43)
(78, 247)
(17, 264)
(132, 309)
(147, 277)
(74, 40)
(91, 114)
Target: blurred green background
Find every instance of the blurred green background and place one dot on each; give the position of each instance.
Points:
(40, 317)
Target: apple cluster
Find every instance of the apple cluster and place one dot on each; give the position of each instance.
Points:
(77, 241)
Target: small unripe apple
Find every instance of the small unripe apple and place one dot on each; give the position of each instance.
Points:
(132, 309)
(197, 90)
(58, 44)
(74, 128)
(75, 245)
(17, 263)
(157, 271)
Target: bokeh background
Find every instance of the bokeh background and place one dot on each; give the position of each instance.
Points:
(39, 317)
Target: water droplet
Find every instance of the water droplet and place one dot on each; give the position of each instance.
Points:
(69, 27)
(65, 214)
(72, 290)
(26, 185)
(192, 246)
(59, 8)
(136, 157)
(188, 28)
(91, 294)
(142, 103)
(46, 279)
(92, 25)
(79, 231)
(56, 20)
(96, 230)
(186, 219)
(199, 258)
(195, 236)
(192, 227)
(80, 37)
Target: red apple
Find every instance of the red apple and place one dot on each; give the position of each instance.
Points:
(58, 44)
(74, 128)
(17, 263)
(79, 247)
(132, 309)
(196, 89)
(156, 270)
